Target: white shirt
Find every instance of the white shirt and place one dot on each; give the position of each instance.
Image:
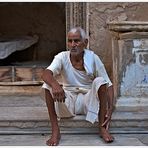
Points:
(72, 77)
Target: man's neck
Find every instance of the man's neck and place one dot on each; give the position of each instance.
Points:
(77, 61)
(77, 57)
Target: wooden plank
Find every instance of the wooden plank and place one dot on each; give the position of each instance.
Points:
(38, 73)
(23, 74)
(16, 75)
(23, 84)
(5, 74)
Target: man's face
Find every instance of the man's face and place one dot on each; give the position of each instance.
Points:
(75, 43)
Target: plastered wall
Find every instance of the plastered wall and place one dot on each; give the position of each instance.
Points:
(100, 14)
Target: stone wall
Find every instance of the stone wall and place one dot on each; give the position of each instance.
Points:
(102, 13)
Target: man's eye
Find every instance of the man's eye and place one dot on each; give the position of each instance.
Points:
(74, 40)
(69, 40)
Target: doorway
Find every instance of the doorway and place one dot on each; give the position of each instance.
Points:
(43, 23)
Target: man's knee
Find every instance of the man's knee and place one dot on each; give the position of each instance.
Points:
(99, 80)
(103, 88)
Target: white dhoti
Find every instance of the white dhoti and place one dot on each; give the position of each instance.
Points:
(80, 101)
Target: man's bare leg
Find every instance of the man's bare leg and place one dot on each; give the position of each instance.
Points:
(55, 137)
(104, 133)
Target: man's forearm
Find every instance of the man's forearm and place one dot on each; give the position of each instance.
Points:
(48, 78)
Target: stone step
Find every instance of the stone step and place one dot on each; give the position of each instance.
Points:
(132, 104)
(28, 114)
(36, 119)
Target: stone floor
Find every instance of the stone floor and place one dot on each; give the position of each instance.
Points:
(74, 140)
(20, 112)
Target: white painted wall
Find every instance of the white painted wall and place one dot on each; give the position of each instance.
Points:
(135, 78)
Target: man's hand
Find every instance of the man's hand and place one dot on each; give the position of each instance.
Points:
(107, 121)
(109, 111)
(58, 93)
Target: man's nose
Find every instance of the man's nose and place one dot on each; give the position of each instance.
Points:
(73, 43)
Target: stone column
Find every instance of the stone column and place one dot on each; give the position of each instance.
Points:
(77, 14)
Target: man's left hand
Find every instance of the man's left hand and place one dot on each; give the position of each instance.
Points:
(107, 121)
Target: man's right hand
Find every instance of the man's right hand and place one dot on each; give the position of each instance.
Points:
(58, 93)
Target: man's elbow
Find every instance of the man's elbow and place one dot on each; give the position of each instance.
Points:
(46, 75)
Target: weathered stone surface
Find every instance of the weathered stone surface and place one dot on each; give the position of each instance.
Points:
(32, 115)
(71, 140)
(35, 117)
(132, 104)
(20, 90)
(21, 101)
(23, 113)
(128, 26)
(122, 17)
(4, 124)
(100, 15)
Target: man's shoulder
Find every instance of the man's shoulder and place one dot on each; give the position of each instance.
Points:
(89, 51)
(92, 54)
(62, 54)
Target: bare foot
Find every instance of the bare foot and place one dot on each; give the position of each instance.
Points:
(107, 137)
(54, 139)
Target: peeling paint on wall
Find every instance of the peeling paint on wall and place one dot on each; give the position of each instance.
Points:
(135, 77)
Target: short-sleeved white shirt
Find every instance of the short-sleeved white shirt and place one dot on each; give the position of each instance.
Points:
(72, 77)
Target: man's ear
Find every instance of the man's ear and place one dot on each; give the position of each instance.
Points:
(86, 43)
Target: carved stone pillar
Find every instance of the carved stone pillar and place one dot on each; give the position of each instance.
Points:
(77, 14)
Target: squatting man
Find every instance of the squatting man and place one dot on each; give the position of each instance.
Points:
(85, 87)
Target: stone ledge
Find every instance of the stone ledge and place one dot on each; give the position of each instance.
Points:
(16, 131)
(124, 26)
(132, 104)
(37, 117)
(23, 114)
(41, 114)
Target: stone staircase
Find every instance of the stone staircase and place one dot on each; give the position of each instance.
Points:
(28, 114)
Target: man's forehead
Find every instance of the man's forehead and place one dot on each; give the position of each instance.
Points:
(74, 35)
